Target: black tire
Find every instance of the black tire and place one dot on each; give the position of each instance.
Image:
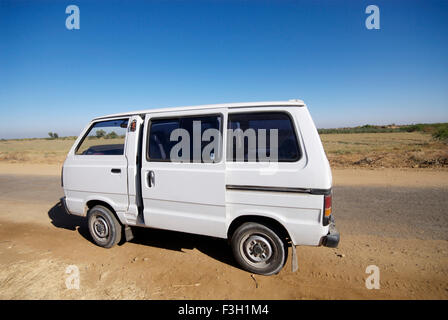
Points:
(259, 249)
(104, 227)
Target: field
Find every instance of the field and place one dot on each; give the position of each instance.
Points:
(35, 150)
(344, 150)
(42, 151)
(385, 150)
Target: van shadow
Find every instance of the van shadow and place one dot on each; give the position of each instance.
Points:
(215, 248)
(61, 219)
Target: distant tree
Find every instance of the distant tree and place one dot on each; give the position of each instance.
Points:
(112, 135)
(100, 133)
(53, 135)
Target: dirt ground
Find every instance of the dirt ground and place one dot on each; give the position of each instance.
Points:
(394, 219)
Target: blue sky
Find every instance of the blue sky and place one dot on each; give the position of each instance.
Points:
(131, 55)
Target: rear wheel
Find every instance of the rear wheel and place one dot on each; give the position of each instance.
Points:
(258, 248)
(104, 227)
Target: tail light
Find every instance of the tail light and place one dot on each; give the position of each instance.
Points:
(327, 209)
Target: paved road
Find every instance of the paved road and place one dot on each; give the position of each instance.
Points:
(380, 211)
(393, 211)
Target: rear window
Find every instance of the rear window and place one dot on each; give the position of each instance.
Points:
(260, 137)
(104, 138)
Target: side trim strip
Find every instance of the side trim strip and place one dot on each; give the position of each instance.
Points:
(278, 189)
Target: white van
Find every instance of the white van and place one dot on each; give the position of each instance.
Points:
(253, 173)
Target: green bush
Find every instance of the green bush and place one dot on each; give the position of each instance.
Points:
(100, 133)
(431, 128)
(111, 135)
(441, 134)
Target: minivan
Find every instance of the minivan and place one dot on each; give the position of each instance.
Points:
(253, 173)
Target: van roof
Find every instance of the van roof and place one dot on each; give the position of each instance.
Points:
(293, 102)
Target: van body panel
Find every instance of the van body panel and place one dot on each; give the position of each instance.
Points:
(185, 198)
(317, 172)
(299, 213)
(92, 178)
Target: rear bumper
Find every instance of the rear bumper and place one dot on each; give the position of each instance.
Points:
(331, 240)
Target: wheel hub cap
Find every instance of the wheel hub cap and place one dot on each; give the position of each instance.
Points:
(100, 227)
(258, 249)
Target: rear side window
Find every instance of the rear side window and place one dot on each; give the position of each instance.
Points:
(186, 139)
(104, 138)
(260, 137)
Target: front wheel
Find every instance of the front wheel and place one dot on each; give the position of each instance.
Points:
(258, 249)
(104, 227)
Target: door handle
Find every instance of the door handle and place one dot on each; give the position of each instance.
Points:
(115, 170)
(151, 178)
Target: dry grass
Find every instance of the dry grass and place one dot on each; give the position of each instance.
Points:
(41, 150)
(389, 150)
(35, 150)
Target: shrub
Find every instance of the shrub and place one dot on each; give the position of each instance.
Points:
(100, 133)
(111, 135)
(441, 134)
(431, 128)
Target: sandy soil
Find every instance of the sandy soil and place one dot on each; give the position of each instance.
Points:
(394, 219)
(30, 169)
(391, 177)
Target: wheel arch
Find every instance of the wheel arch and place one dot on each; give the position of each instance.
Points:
(277, 226)
(95, 202)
